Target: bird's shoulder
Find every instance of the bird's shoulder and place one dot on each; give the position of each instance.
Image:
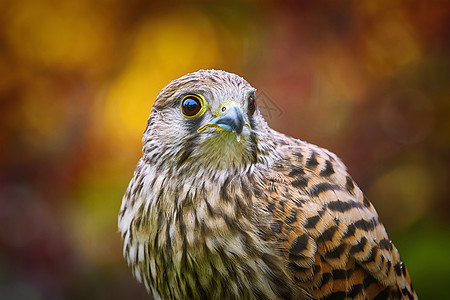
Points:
(326, 229)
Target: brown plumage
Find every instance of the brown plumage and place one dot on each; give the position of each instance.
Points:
(223, 207)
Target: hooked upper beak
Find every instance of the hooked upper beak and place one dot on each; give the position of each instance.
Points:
(232, 120)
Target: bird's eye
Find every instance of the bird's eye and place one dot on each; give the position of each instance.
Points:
(191, 106)
(251, 105)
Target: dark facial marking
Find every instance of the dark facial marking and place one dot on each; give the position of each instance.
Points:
(194, 124)
(186, 152)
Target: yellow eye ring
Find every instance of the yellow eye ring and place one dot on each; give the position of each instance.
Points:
(192, 106)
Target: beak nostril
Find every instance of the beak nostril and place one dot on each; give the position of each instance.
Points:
(229, 118)
(232, 120)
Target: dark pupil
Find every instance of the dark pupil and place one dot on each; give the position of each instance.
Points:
(191, 106)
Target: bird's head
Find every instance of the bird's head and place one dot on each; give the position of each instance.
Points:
(206, 118)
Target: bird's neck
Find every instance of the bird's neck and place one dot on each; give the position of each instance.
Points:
(200, 200)
(194, 221)
(190, 220)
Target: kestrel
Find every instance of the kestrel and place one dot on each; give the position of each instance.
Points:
(221, 206)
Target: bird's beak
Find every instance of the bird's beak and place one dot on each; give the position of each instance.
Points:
(232, 120)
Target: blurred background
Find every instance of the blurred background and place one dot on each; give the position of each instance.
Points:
(366, 79)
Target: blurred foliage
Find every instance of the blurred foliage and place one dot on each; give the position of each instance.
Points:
(365, 79)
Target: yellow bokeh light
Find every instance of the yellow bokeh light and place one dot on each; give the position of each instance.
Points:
(165, 48)
(56, 33)
(406, 187)
(391, 44)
